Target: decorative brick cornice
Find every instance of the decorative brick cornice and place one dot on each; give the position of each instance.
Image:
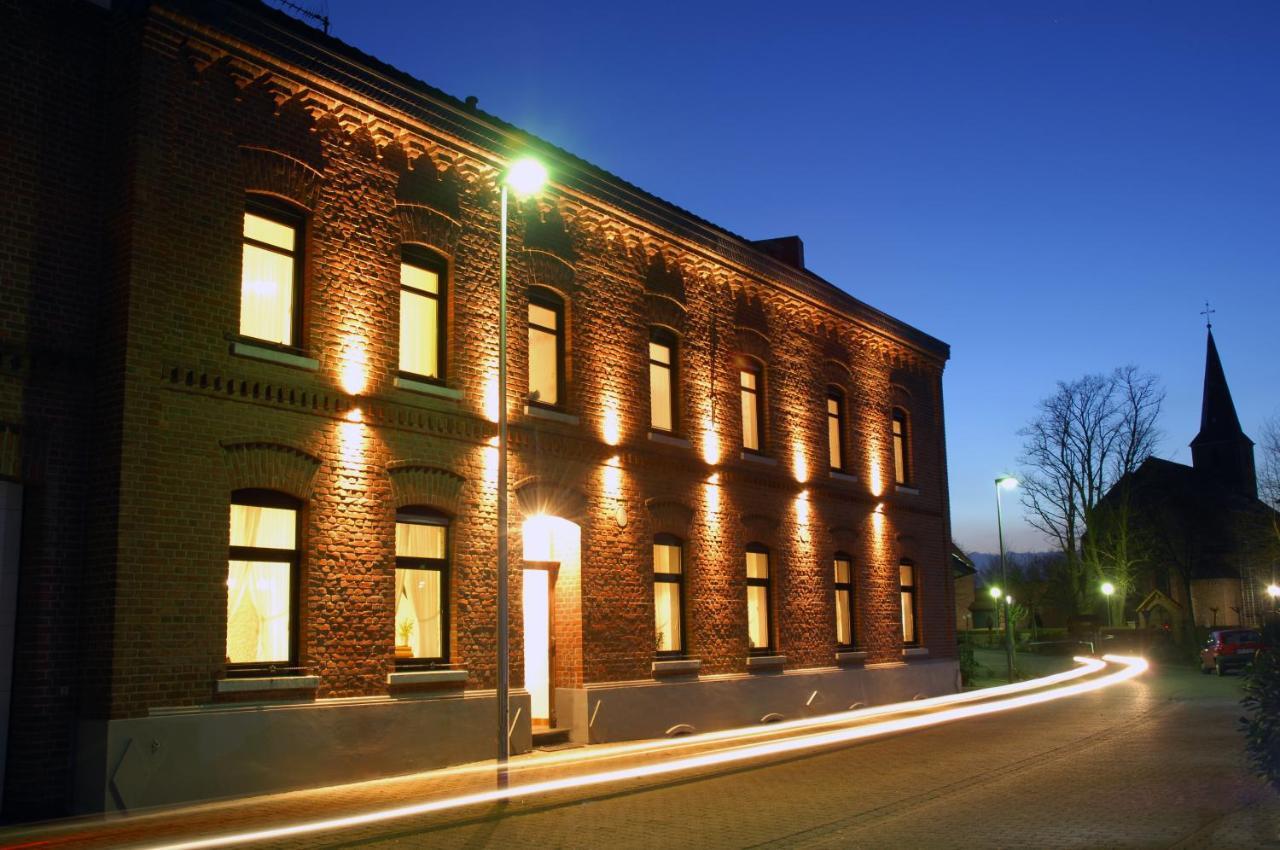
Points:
(420, 484)
(269, 465)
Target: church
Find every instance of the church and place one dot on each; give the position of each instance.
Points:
(1209, 545)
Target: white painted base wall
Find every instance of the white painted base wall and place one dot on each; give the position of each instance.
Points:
(232, 750)
(622, 711)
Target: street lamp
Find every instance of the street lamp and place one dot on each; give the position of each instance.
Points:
(1107, 589)
(524, 177)
(1005, 482)
(1273, 590)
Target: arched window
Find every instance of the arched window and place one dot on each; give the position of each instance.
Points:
(664, 381)
(901, 447)
(422, 587)
(845, 612)
(910, 610)
(668, 594)
(546, 348)
(271, 272)
(759, 631)
(422, 314)
(751, 383)
(835, 429)
(262, 582)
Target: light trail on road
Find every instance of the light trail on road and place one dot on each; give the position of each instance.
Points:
(1009, 697)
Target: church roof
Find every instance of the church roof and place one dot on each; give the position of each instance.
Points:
(1218, 419)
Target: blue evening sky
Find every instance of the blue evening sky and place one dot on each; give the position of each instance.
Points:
(1053, 188)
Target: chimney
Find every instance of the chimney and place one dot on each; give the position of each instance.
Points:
(788, 249)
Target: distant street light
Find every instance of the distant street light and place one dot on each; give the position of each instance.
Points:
(1107, 589)
(1273, 590)
(1005, 482)
(524, 177)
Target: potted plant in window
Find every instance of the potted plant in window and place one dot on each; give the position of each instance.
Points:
(405, 630)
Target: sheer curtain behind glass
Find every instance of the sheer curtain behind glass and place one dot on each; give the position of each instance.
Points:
(758, 599)
(419, 623)
(267, 278)
(258, 592)
(419, 321)
(544, 363)
(666, 597)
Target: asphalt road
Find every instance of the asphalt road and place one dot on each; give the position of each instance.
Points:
(1155, 762)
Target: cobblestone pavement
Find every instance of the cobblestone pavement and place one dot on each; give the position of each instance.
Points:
(1156, 762)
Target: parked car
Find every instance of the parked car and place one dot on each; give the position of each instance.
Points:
(1229, 648)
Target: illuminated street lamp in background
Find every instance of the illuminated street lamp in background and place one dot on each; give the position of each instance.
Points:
(524, 177)
(1273, 590)
(1107, 589)
(1005, 482)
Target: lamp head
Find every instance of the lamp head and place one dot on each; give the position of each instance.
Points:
(1108, 588)
(1273, 590)
(525, 176)
(1006, 482)
(995, 592)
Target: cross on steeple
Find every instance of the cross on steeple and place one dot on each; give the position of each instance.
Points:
(1208, 312)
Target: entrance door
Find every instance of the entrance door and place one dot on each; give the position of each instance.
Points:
(538, 580)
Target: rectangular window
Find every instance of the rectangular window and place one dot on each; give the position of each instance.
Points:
(662, 382)
(752, 420)
(421, 587)
(546, 351)
(835, 430)
(269, 297)
(668, 595)
(907, 576)
(421, 318)
(758, 631)
(844, 601)
(900, 471)
(261, 572)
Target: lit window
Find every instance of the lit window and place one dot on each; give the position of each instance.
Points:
(668, 594)
(546, 349)
(421, 315)
(269, 297)
(844, 600)
(901, 448)
(907, 577)
(261, 580)
(422, 581)
(758, 632)
(835, 428)
(750, 381)
(662, 380)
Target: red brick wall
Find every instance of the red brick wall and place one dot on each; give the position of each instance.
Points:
(212, 127)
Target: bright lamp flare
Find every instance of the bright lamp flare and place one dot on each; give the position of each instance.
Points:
(1007, 482)
(1108, 588)
(526, 176)
(1273, 590)
(995, 592)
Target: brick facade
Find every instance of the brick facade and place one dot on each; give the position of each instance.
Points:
(140, 409)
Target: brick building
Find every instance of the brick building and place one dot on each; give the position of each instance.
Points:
(248, 361)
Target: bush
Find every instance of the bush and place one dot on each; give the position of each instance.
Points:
(1261, 724)
(968, 666)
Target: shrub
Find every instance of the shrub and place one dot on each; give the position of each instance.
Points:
(968, 665)
(1261, 724)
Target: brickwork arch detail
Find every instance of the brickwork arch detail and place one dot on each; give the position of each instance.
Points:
(274, 173)
(421, 225)
(416, 483)
(668, 516)
(754, 344)
(536, 495)
(666, 312)
(549, 270)
(762, 528)
(269, 465)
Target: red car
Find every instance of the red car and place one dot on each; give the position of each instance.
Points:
(1228, 648)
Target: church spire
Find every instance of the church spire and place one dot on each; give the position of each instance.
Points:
(1221, 449)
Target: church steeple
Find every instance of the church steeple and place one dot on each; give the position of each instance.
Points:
(1221, 450)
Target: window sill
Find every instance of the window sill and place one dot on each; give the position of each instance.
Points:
(550, 415)
(837, 475)
(669, 440)
(759, 458)
(850, 656)
(267, 683)
(766, 662)
(672, 666)
(272, 355)
(427, 388)
(915, 652)
(428, 677)
(905, 490)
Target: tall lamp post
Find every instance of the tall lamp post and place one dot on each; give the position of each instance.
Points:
(1005, 482)
(524, 177)
(1107, 589)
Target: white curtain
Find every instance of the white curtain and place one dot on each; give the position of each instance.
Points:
(266, 296)
(258, 592)
(418, 604)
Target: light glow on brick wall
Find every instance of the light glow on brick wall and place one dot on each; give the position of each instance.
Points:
(351, 439)
(354, 369)
(712, 488)
(611, 423)
(491, 396)
(799, 463)
(490, 452)
(710, 442)
(612, 475)
(876, 479)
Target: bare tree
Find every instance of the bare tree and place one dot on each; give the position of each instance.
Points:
(1087, 436)
(1269, 479)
